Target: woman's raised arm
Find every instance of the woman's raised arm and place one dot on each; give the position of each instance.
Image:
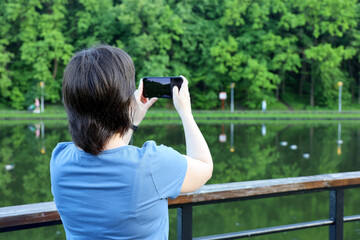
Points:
(200, 164)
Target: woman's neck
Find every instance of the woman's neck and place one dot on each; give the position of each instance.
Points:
(118, 141)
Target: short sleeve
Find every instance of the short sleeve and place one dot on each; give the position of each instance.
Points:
(168, 169)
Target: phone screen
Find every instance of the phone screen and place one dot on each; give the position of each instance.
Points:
(160, 87)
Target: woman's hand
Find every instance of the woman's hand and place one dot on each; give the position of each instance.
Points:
(181, 98)
(142, 104)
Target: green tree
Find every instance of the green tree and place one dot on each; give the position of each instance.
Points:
(5, 55)
(271, 49)
(322, 22)
(38, 45)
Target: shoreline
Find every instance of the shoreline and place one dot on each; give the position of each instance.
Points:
(205, 115)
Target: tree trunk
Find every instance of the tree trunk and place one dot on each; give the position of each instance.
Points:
(283, 89)
(312, 92)
(277, 92)
(302, 79)
(353, 83)
(358, 142)
(55, 68)
(312, 101)
(359, 91)
(311, 136)
(358, 80)
(312, 83)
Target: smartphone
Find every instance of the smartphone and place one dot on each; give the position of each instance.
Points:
(160, 87)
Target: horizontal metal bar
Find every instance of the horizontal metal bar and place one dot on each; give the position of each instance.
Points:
(262, 231)
(27, 226)
(352, 218)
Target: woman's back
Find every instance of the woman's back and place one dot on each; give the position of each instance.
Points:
(119, 194)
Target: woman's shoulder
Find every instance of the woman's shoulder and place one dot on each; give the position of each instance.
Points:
(152, 146)
(61, 146)
(60, 152)
(149, 144)
(155, 151)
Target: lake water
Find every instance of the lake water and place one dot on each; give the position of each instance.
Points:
(241, 151)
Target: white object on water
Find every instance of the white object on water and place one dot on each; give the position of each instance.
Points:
(293, 147)
(222, 138)
(263, 130)
(284, 143)
(340, 141)
(9, 167)
(306, 155)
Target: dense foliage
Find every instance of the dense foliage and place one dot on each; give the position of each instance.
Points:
(279, 50)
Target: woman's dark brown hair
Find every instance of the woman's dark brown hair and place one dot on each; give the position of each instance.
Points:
(98, 88)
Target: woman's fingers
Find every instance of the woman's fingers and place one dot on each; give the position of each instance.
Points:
(139, 92)
(143, 104)
(141, 86)
(185, 84)
(175, 91)
(150, 102)
(181, 98)
(146, 102)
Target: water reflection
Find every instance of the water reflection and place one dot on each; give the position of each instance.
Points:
(232, 149)
(39, 130)
(9, 167)
(222, 136)
(24, 158)
(339, 141)
(279, 151)
(283, 151)
(263, 129)
(254, 151)
(293, 147)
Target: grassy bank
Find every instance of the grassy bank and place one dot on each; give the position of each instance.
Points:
(203, 115)
(269, 115)
(23, 115)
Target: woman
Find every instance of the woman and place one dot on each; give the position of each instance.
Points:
(104, 188)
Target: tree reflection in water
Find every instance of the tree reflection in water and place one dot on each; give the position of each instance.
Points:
(248, 154)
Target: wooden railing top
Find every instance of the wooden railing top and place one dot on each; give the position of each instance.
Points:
(39, 213)
(267, 187)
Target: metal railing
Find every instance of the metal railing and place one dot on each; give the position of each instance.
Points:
(45, 214)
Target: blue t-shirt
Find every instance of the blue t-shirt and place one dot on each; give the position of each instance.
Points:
(119, 194)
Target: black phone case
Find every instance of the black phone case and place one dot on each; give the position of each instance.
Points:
(160, 87)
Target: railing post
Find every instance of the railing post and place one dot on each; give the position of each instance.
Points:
(336, 231)
(184, 223)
